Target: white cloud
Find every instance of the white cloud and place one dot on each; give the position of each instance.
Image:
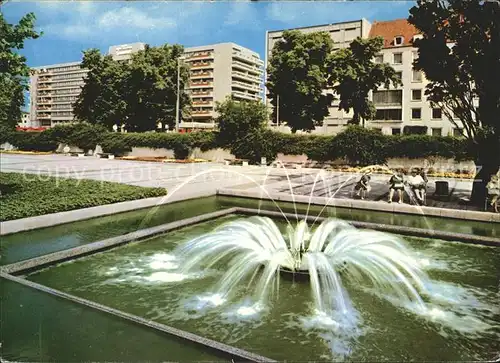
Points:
(127, 17)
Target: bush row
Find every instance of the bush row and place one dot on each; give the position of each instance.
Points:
(357, 145)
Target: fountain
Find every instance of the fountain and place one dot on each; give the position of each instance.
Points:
(335, 251)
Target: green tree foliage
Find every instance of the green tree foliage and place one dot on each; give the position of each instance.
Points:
(460, 55)
(238, 119)
(353, 74)
(242, 127)
(152, 87)
(297, 73)
(13, 69)
(137, 94)
(102, 100)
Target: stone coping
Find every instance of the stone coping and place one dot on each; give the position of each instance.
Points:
(52, 258)
(54, 219)
(36, 263)
(237, 353)
(365, 205)
(402, 230)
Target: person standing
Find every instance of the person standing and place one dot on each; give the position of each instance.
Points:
(363, 185)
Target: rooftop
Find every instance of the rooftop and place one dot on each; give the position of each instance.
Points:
(391, 29)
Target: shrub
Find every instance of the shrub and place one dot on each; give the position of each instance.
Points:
(34, 141)
(115, 144)
(81, 134)
(181, 151)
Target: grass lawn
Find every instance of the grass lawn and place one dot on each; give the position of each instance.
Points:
(28, 195)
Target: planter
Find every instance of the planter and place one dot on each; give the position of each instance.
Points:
(245, 163)
(111, 156)
(81, 155)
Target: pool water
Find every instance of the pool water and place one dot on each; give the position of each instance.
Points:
(145, 279)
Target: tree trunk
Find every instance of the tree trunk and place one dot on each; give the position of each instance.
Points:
(487, 164)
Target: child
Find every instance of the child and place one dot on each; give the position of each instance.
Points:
(396, 183)
(363, 186)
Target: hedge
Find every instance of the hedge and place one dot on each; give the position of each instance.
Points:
(25, 195)
(356, 145)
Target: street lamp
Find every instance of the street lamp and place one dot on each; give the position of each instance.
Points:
(178, 101)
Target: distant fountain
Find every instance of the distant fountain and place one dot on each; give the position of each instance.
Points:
(256, 251)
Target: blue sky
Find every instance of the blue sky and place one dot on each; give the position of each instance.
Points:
(72, 26)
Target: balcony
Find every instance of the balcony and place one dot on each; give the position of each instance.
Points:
(197, 125)
(202, 103)
(246, 76)
(201, 75)
(200, 84)
(201, 113)
(44, 79)
(44, 115)
(201, 65)
(43, 108)
(44, 86)
(250, 86)
(247, 58)
(246, 96)
(198, 94)
(201, 55)
(44, 102)
(247, 67)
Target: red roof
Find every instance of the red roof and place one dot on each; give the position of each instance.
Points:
(391, 29)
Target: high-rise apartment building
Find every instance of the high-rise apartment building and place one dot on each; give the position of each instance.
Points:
(55, 88)
(397, 107)
(216, 72)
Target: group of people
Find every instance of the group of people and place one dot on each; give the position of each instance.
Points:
(416, 181)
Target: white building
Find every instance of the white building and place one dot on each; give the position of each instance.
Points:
(216, 72)
(54, 88)
(397, 107)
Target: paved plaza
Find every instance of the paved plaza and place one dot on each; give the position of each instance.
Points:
(207, 178)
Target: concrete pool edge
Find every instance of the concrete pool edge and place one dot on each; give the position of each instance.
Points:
(208, 343)
(76, 215)
(394, 208)
(40, 262)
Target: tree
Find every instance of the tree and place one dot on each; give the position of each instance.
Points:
(459, 52)
(13, 69)
(152, 87)
(237, 120)
(353, 74)
(103, 97)
(297, 76)
(137, 94)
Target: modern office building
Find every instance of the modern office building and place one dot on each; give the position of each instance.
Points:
(55, 88)
(397, 107)
(216, 72)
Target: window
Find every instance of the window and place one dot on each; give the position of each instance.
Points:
(437, 114)
(416, 76)
(399, 40)
(457, 132)
(399, 75)
(396, 131)
(398, 58)
(416, 113)
(390, 97)
(392, 114)
(379, 58)
(438, 131)
(414, 55)
(416, 95)
(377, 129)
